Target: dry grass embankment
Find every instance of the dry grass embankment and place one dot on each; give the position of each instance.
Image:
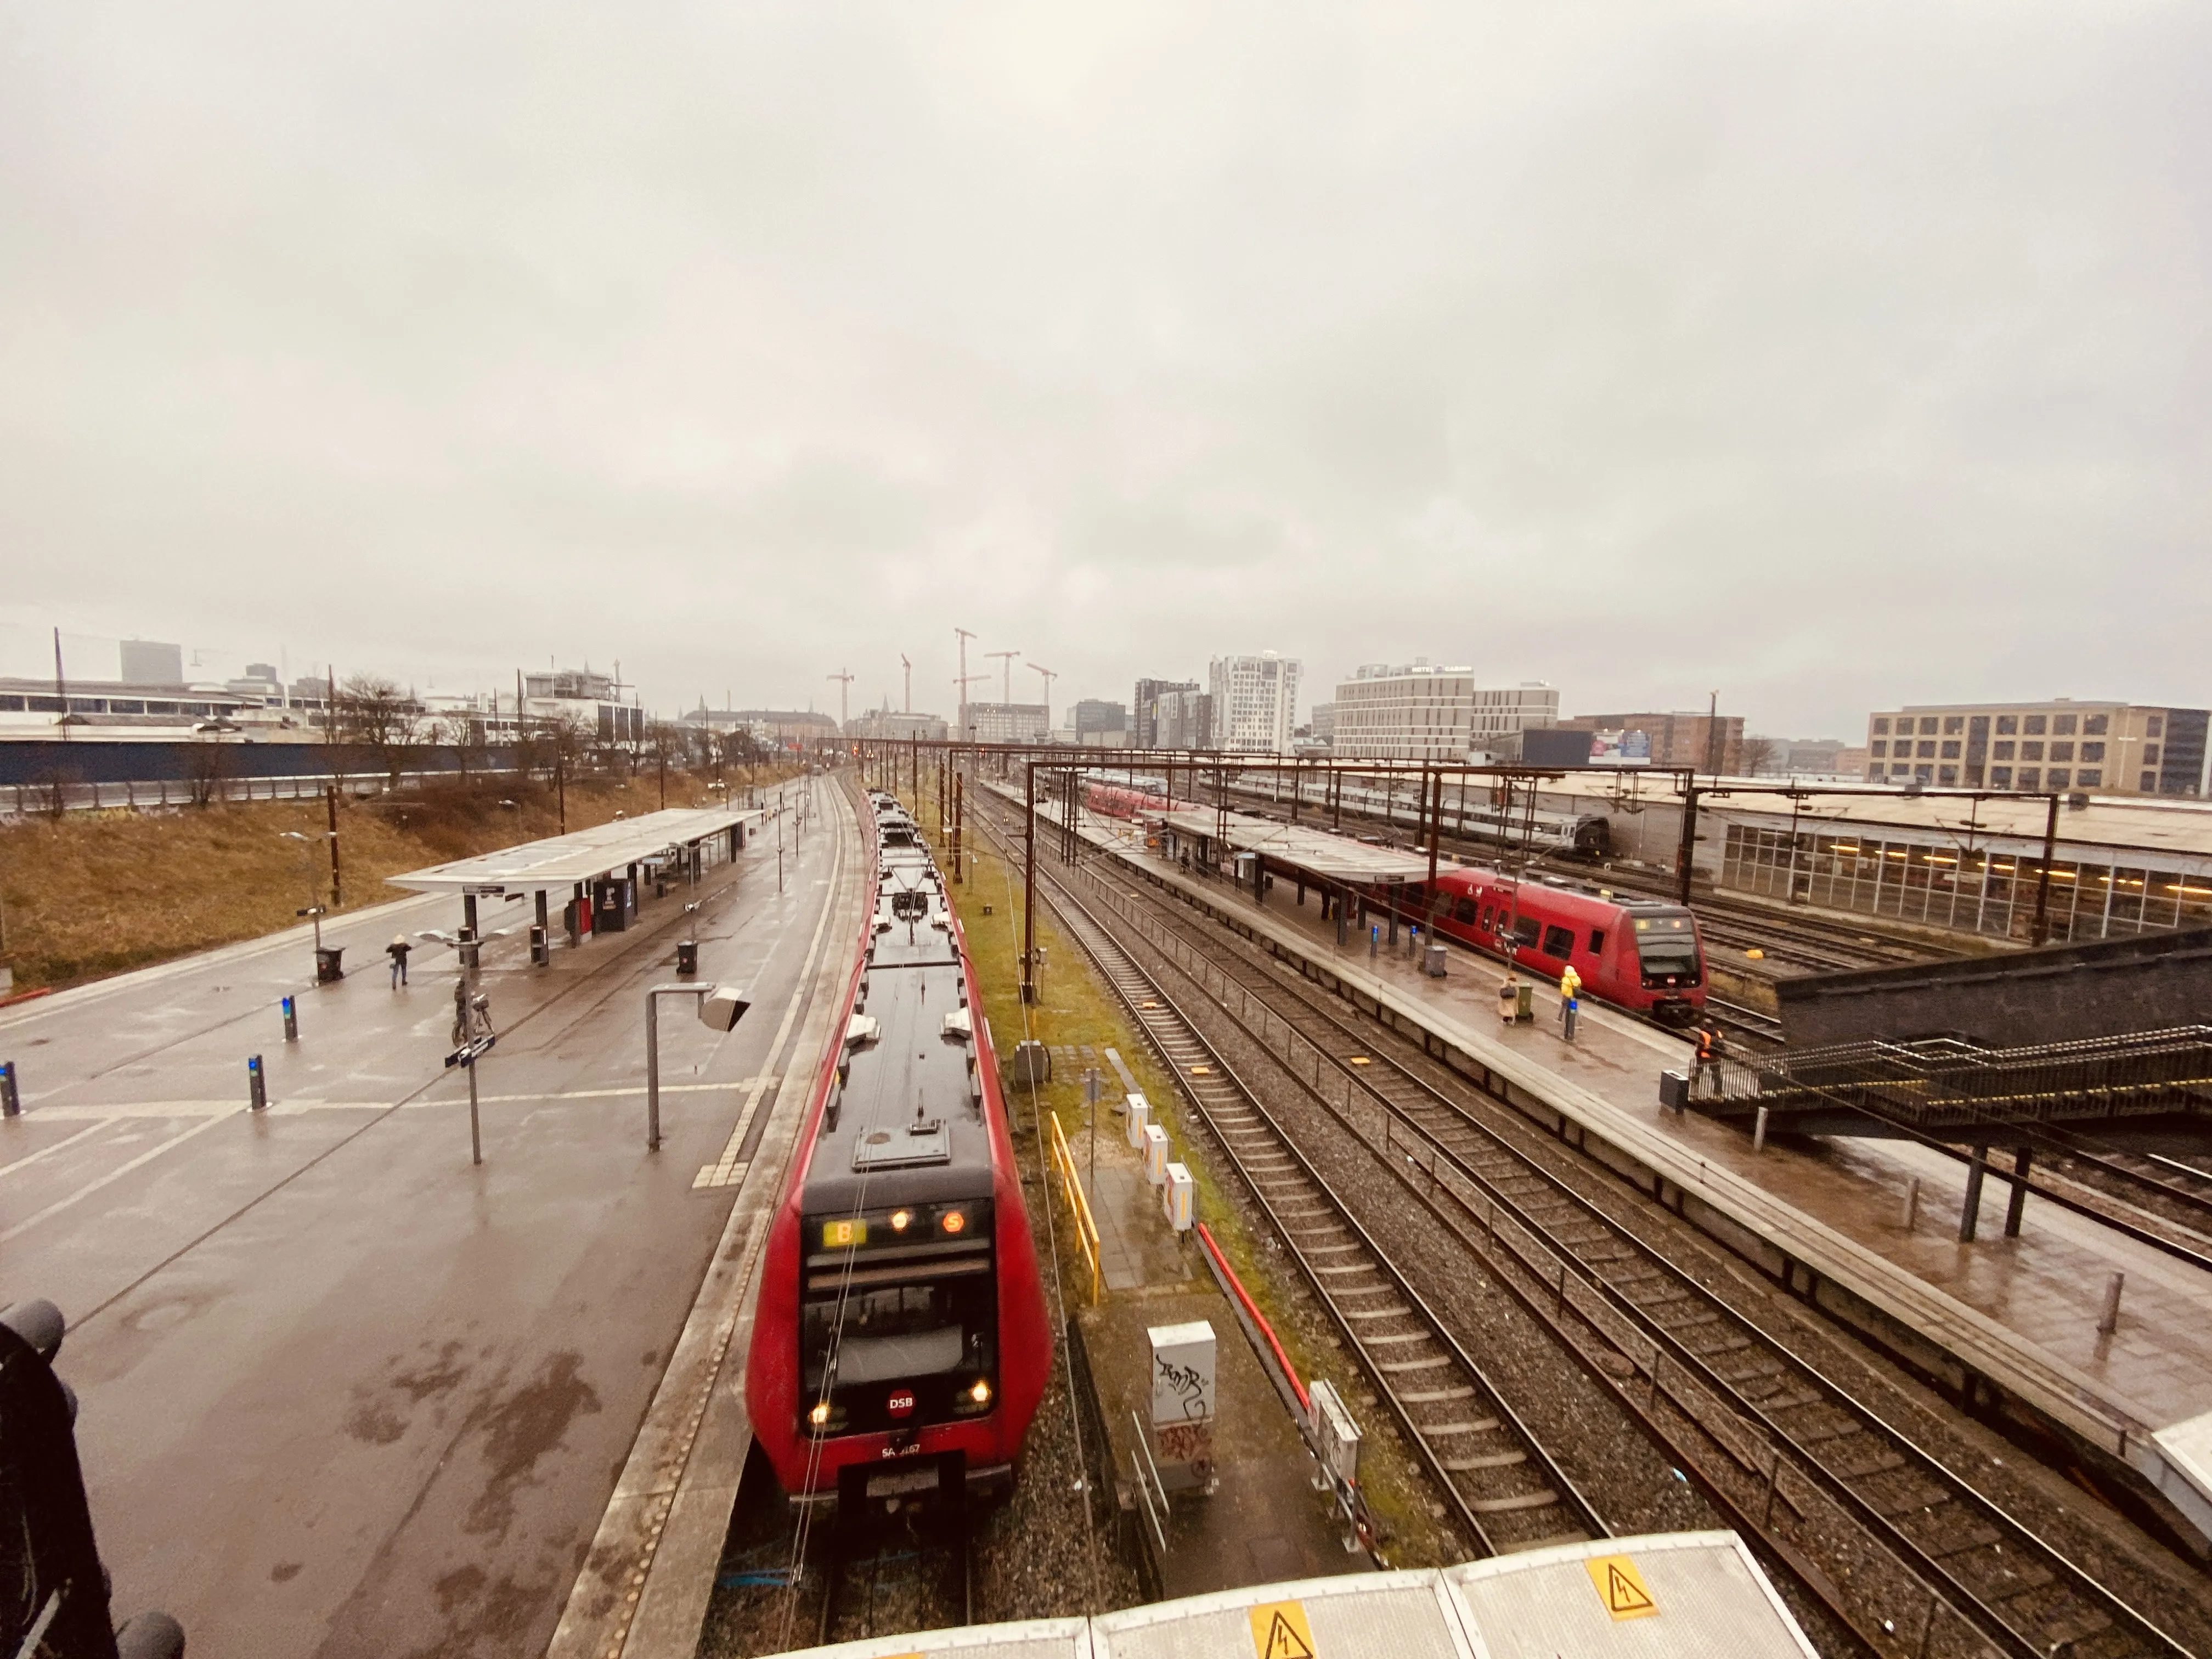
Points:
(99, 893)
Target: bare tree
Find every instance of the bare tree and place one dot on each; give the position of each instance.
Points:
(372, 710)
(1759, 756)
(207, 764)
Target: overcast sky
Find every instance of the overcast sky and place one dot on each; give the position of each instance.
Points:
(1830, 356)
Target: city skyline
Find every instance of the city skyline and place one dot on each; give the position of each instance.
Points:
(1824, 361)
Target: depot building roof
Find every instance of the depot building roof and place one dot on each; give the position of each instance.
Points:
(563, 860)
(1325, 854)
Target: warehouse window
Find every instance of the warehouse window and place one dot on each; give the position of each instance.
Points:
(2000, 751)
(1948, 776)
(2148, 782)
(2032, 725)
(1954, 724)
(2150, 753)
(2093, 752)
(2059, 778)
(2154, 726)
(2030, 752)
(2000, 777)
(2030, 778)
(2090, 777)
(2008, 723)
(2096, 726)
(1928, 726)
(1927, 751)
(2062, 724)
(1878, 747)
(1881, 724)
(1951, 750)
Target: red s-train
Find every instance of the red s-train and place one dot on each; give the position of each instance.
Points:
(1638, 953)
(1125, 801)
(901, 1342)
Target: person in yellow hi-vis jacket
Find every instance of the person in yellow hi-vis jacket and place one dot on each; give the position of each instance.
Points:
(1570, 989)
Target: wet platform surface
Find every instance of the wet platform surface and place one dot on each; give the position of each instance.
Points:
(1263, 1521)
(343, 1392)
(2023, 1310)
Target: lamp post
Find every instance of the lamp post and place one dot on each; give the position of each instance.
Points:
(720, 1008)
(314, 910)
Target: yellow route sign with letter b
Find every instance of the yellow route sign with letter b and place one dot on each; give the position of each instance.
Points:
(1620, 1587)
(1280, 1631)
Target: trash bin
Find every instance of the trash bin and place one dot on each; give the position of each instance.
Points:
(326, 963)
(1674, 1090)
(686, 956)
(541, 948)
(1524, 1012)
(1434, 966)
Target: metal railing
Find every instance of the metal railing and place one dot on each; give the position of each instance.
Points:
(1071, 1186)
(1948, 1080)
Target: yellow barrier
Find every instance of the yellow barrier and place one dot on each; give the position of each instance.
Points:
(1070, 1185)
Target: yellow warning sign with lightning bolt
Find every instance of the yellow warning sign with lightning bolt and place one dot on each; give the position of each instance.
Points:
(1280, 1631)
(1621, 1588)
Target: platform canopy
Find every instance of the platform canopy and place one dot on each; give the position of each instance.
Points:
(1319, 851)
(560, 861)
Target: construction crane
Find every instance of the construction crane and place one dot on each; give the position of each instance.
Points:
(844, 678)
(1007, 674)
(908, 666)
(1049, 676)
(962, 680)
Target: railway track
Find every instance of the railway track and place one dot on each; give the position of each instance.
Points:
(1903, 1548)
(886, 1575)
(1508, 1492)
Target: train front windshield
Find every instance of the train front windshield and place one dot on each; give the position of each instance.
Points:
(1667, 947)
(903, 1336)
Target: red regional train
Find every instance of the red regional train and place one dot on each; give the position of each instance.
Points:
(1637, 953)
(1126, 800)
(901, 1344)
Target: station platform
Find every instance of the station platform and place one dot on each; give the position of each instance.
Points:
(343, 1389)
(1678, 1596)
(1824, 1217)
(1263, 1521)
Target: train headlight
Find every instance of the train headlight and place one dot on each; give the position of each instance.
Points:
(980, 1394)
(819, 1417)
(954, 1221)
(900, 1218)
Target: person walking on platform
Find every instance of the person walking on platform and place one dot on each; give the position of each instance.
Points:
(1570, 988)
(1711, 1046)
(397, 951)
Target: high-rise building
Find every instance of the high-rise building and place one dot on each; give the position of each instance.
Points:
(1145, 724)
(1185, 719)
(1419, 713)
(1255, 702)
(2111, 748)
(150, 663)
(1321, 723)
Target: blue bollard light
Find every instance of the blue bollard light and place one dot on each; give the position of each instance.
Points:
(257, 1085)
(11, 1103)
(291, 1020)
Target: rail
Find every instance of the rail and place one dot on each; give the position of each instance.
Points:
(1071, 1186)
(1559, 1281)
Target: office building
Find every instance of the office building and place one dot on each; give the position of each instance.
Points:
(1699, 741)
(1094, 718)
(1184, 719)
(1255, 702)
(1320, 723)
(1419, 712)
(1145, 723)
(1008, 722)
(150, 663)
(2103, 748)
